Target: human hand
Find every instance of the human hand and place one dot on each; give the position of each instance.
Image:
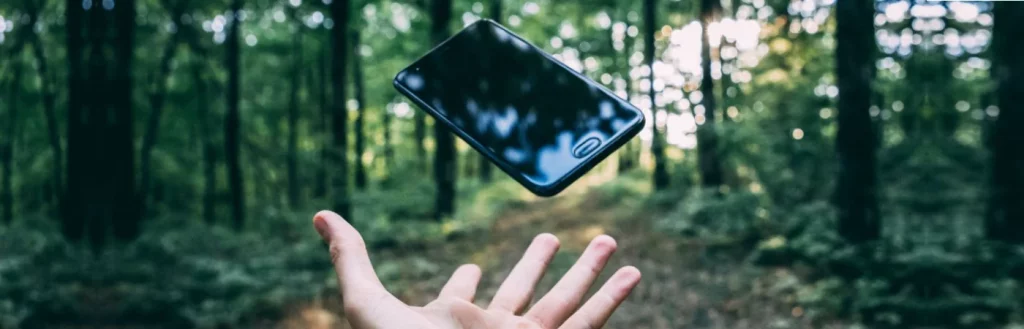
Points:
(368, 305)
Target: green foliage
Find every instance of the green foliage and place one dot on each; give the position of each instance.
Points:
(715, 216)
(182, 274)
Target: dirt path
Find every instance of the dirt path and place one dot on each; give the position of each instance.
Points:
(684, 285)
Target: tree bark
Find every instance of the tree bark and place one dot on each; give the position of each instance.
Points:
(855, 141)
(627, 159)
(208, 147)
(340, 12)
(293, 115)
(1006, 207)
(73, 216)
(323, 89)
(661, 178)
(444, 156)
(49, 95)
(707, 135)
(125, 202)
(7, 148)
(232, 122)
(360, 91)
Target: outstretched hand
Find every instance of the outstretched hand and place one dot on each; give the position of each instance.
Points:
(369, 306)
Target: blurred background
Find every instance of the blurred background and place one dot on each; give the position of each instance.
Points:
(806, 164)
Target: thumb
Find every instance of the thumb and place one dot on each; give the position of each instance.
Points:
(360, 287)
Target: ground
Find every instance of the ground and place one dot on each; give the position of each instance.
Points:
(686, 284)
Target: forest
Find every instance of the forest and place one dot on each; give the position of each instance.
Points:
(805, 164)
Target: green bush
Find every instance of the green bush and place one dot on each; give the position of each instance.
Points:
(715, 216)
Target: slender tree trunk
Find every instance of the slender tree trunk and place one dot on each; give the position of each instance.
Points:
(707, 135)
(626, 157)
(1006, 209)
(389, 150)
(49, 95)
(855, 142)
(73, 216)
(293, 116)
(125, 203)
(209, 149)
(7, 148)
(444, 157)
(323, 89)
(360, 91)
(156, 106)
(232, 122)
(420, 136)
(661, 178)
(486, 168)
(340, 12)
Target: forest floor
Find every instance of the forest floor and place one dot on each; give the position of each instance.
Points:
(686, 283)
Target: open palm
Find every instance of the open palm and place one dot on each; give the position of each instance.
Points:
(368, 305)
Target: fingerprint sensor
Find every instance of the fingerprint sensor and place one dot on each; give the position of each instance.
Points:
(586, 147)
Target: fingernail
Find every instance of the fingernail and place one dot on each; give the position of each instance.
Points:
(321, 226)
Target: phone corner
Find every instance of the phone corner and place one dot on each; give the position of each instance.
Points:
(641, 121)
(546, 191)
(397, 81)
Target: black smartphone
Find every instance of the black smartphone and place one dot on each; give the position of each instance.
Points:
(538, 120)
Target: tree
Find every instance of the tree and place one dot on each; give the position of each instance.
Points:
(1006, 207)
(7, 147)
(707, 136)
(630, 152)
(360, 91)
(444, 156)
(293, 113)
(661, 179)
(209, 149)
(339, 114)
(232, 120)
(855, 139)
(48, 90)
(101, 173)
(323, 91)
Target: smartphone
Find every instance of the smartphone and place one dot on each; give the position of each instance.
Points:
(536, 119)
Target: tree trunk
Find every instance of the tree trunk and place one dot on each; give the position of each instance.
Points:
(209, 149)
(232, 122)
(323, 89)
(124, 201)
(340, 13)
(49, 95)
(661, 178)
(7, 148)
(156, 106)
(293, 115)
(73, 213)
(855, 140)
(420, 136)
(360, 91)
(627, 159)
(707, 135)
(389, 150)
(1006, 209)
(444, 156)
(486, 168)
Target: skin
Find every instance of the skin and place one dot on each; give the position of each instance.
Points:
(368, 305)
